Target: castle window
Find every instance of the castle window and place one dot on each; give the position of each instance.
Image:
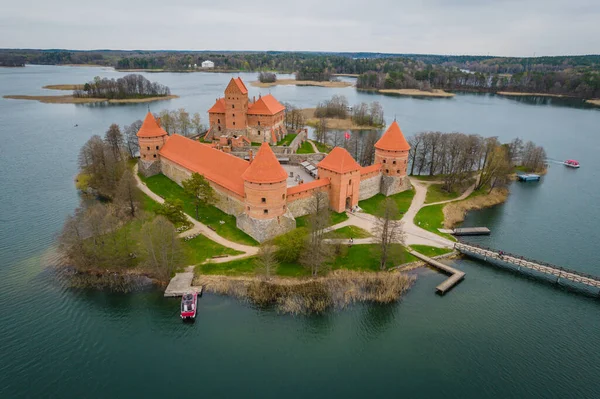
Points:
(219, 128)
(218, 120)
(263, 200)
(233, 115)
(258, 123)
(233, 123)
(350, 182)
(259, 132)
(266, 211)
(282, 196)
(384, 161)
(154, 155)
(157, 147)
(232, 105)
(148, 148)
(398, 171)
(394, 162)
(387, 171)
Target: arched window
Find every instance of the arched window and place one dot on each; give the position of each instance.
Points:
(157, 147)
(387, 171)
(263, 200)
(218, 120)
(266, 211)
(232, 105)
(233, 123)
(384, 161)
(394, 162)
(148, 148)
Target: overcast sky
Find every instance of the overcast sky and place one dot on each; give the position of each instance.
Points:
(496, 27)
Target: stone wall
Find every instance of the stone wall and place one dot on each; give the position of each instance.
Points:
(370, 187)
(265, 229)
(393, 185)
(226, 200)
(295, 159)
(302, 205)
(148, 168)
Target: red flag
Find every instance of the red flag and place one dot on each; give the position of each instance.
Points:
(347, 135)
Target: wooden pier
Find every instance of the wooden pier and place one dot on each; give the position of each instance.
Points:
(522, 263)
(471, 231)
(456, 276)
(182, 284)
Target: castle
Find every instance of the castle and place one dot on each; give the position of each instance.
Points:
(259, 192)
(233, 116)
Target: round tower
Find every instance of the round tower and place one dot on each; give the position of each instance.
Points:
(391, 151)
(265, 186)
(151, 138)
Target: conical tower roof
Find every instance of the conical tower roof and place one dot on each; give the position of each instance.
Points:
(265, 168)
(339, 160)
(393, 139)
(151, 128)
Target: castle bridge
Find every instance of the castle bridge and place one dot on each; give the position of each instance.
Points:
(523, 264)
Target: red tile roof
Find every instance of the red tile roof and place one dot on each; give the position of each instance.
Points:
(216, 166)
(265, 168)
(369, 169)
(265, 105)
(218, 108)
(340, 161)
(151, 128)
(393, 139)
(308, 186)
(239, 84)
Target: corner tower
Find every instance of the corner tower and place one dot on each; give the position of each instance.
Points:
(391, 151)
(151, 138)
(265, 190)
(344, 173)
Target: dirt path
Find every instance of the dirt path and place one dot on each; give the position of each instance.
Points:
(314, 146)
(201, 228)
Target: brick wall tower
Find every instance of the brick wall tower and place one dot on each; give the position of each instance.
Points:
(344, 174)
(265, 188)
(236, 107)
(151, 138)
(391, 151)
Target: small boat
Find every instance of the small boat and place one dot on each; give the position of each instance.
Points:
(189, 303)
(571, 163)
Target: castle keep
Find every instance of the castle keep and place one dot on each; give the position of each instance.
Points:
(259, 192)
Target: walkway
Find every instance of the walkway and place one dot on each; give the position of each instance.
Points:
(201, 228)
(314, 146)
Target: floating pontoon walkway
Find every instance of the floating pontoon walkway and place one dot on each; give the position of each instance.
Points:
(521, 263)
(456, 276)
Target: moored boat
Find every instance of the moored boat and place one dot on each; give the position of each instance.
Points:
(571, 163)
(189, 304)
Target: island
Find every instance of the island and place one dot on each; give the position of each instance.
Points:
(328, 83)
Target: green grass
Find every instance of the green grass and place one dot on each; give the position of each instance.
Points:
(302, 221)
(200, 248)
(435, 193)
(287, 139)
(247, 267)
(148, 204)
(208, 214)
(430, 251)
(253, 144)
(305, 148)
(374, 205)
(365, 258)
(431, 218)
(348, 232)
(322, 147)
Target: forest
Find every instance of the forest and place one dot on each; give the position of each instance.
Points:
(129, 86)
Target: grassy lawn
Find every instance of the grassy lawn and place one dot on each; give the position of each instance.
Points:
(208, 214)
(322, 147)
(431, 218)
(430, 251)
(374, 204)
(287, 139)
(148, 204)
(348, 232)
(253, 144)
(302, 221)
(365, 258)
(305, 148)
(435, 193)
(200, 248)
(247, 267)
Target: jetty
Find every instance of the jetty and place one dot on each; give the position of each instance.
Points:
(456, 276)
(523, 264)
(181, 284)
(528, 177)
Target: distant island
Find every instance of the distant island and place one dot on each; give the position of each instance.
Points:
(128, 89)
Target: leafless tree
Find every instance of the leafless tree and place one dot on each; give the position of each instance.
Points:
(388, 233)
(128, 195)
(114, 139)
(131, 140)
(161, 246)
(316, 252)
(266, 260)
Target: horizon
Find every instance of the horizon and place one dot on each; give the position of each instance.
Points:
(450, 27)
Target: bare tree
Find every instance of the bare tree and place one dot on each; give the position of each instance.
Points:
(114, 139)
(321, 130)
(131, 140)
(197, 125)
(316, 252)
(388, 233)
(128, 194)
(161, 246)
(415, 141)
(266, 260)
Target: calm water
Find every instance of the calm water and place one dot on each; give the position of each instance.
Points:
(495, 335)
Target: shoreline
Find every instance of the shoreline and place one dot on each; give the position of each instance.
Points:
(68, 87)
(334, 123)
(69, 99)
(295, 82)
(455, 212)
(594, 102)
(523, 94)
(435, 93)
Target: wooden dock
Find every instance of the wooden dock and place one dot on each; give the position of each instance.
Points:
(182, 284)
(521, 263)
(471, 231)
(456, 276)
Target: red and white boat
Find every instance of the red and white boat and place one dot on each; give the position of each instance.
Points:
(189, 304)
(571, 163)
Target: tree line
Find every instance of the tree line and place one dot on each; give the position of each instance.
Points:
(129, 86)
(458, 158)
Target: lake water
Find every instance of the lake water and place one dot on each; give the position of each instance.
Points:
(497, 334)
